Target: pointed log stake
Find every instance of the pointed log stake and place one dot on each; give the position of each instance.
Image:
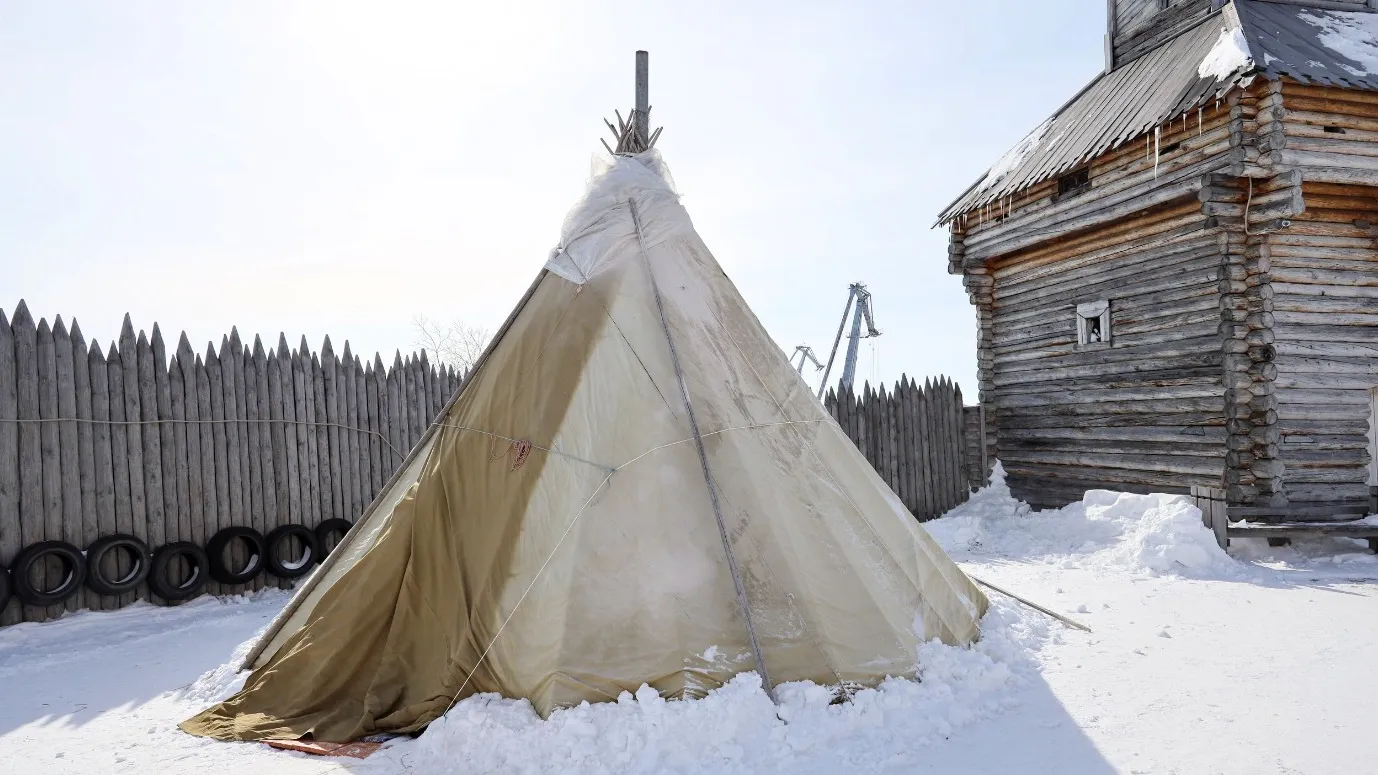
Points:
(10, 539)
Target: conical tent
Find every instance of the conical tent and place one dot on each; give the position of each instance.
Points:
(634, 486)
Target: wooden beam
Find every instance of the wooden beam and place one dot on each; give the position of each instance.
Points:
(643, 98)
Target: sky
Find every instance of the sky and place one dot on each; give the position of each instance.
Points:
(340, 168)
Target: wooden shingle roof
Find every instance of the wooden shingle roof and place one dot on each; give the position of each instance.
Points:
(1329, 47)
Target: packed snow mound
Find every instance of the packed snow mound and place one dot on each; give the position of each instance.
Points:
(1229, 55)
(1112, 531)
(737, 729)
(224, 681)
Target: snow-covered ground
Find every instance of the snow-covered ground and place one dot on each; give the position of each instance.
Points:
(1199, 662)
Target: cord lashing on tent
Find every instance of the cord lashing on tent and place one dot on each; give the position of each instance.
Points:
(819, 459)
(499, 437)
(526, 592)
(515, 450)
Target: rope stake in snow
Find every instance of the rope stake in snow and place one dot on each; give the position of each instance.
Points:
(1031, 604)
(703, 458)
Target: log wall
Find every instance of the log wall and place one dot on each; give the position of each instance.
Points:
(175, 446)
(916, 437)
(1263, 280)
(1325, 279)
(1144, 412)
(1321, 269)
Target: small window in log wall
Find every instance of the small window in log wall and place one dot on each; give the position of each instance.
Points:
(1093, 323)
(1073, 183)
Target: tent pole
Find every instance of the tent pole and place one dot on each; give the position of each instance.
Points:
(703, 458)
(341, 549)
(1031, 604)
(642, 114)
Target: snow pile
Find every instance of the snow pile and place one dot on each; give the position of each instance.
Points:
(1353, 36)
(1015, 156)
(1229, 55)
(737, 728)
(223, 681)
(1112, 531)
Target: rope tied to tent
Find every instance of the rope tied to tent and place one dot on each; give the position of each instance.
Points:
(519, 451)
(515, 450)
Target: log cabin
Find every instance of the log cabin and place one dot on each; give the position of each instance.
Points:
(1175, 276)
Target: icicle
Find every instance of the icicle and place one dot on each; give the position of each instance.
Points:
(1157, 137)
(1199, 111)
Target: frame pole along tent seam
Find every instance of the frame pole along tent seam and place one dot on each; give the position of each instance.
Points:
(703, 455)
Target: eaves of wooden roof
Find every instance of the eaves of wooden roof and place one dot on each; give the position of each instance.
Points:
(1335, 48)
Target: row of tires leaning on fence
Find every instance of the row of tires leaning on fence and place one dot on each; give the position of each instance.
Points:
(117, 564)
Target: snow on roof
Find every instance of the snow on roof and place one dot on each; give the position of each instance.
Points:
(1229, 54)
(1111, 110)
(1014, 156)
(1353, 36)
(1246, 38)
(1331, 48)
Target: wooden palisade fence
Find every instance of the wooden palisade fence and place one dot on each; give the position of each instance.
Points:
(174, 446)
(917, 438)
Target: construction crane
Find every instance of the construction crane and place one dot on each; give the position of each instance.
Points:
(807, 355)
(860, 298)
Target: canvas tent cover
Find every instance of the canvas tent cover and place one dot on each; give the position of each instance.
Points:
(592, 562)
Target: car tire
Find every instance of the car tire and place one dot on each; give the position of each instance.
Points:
(215, 551)
(97, 551)
(74, 566)
(160, 571)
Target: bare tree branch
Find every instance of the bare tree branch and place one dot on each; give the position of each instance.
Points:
(456, 343)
